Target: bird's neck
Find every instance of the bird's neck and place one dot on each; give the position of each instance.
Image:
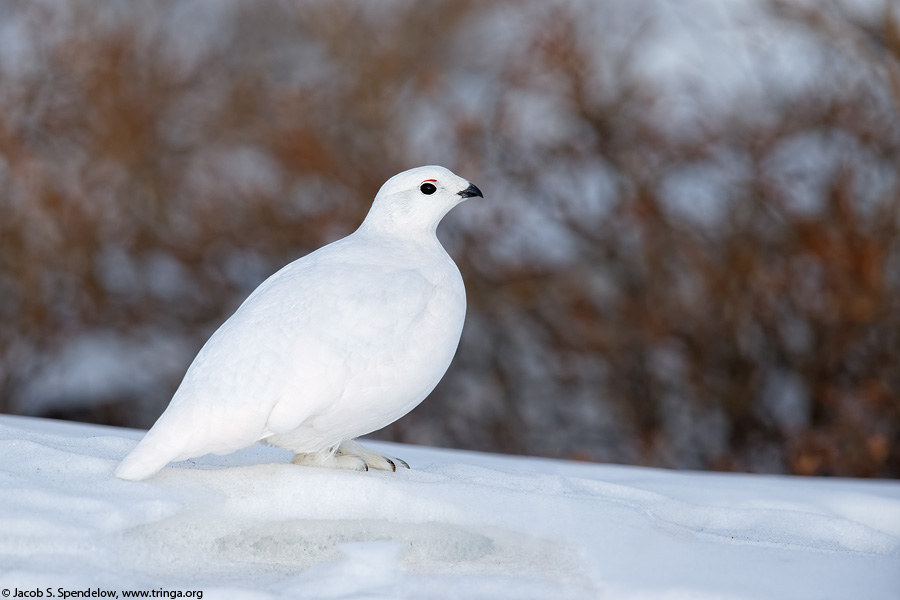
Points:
(387, 227)
(413, 241)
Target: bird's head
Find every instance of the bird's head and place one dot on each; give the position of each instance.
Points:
(417, 200)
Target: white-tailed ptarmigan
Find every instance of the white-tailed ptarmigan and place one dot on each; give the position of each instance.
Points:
(335, 345)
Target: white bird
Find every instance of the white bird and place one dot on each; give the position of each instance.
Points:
(335, 345)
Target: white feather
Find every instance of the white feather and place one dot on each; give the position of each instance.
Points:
(335, 345)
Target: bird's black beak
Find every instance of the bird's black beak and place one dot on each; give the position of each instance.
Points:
(470, 191)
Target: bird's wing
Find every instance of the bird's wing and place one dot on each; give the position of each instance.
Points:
(351, 322)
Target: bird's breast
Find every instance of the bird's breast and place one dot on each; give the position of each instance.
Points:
(399, 351)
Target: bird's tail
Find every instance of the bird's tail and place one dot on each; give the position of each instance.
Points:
(144, 461)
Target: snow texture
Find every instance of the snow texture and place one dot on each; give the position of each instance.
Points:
(459, 525)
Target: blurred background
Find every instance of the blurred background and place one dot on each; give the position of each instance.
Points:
(688, 253)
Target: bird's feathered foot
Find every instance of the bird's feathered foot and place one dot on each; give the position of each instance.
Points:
(350, 455)
(373, 460)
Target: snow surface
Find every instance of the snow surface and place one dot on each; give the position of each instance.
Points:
(459, 525)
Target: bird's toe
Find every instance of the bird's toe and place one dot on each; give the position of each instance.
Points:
(373, 460)
(351, 462)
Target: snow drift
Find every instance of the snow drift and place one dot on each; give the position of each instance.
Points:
(459, 525)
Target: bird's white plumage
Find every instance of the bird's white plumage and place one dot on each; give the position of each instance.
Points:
(333, 346)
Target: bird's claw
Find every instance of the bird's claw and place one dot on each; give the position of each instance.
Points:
(350, 455)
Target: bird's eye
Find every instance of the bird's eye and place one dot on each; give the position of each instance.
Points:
(427, 188)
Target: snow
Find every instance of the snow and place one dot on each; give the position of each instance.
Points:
(459, 525)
